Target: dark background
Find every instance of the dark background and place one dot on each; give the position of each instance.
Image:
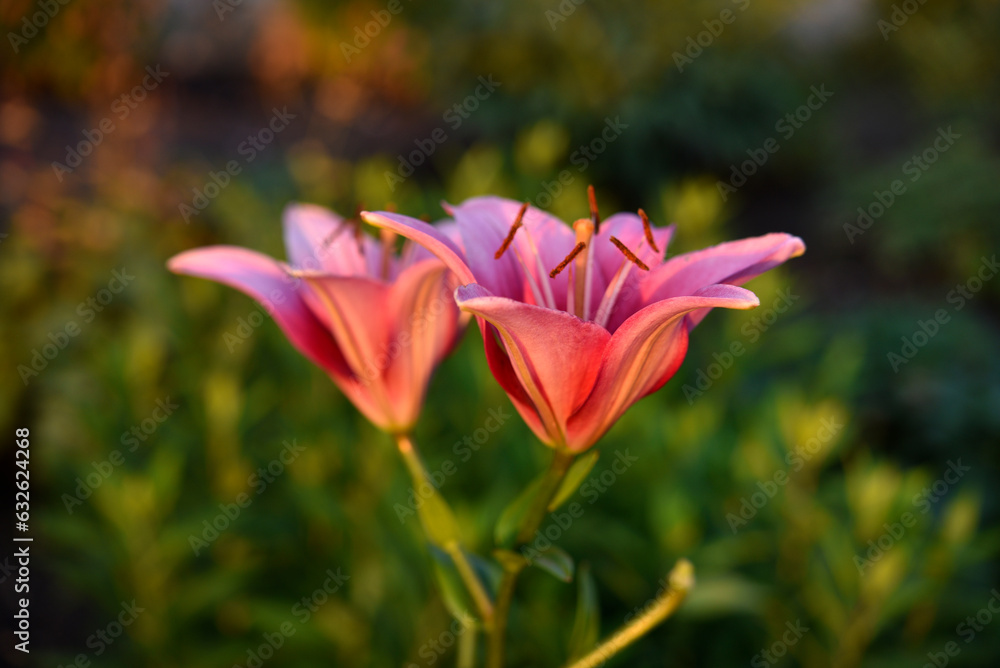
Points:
(689, 125)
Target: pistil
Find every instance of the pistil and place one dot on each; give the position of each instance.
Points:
(581, 270)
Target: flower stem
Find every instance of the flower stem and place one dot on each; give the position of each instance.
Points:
(561, 461)
(441, 529)
(681, 580)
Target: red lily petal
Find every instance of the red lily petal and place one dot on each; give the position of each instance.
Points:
(642, 355)
(554, 354)
(421, 338)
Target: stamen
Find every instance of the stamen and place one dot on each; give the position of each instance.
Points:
(648, 230)
(426, 217)
(569, 258)
(581, 284)
(629, 254)
(513, 230)
(347, 223)
(595, 217)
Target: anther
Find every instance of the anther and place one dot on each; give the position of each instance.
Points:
(595, 217)
(629, 254)
(569, 258)
(513, 230)
(648, 230)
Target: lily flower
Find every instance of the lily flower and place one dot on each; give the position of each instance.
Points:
(377, 323)
(580, 323)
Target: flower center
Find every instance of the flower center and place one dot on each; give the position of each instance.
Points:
(581, 257)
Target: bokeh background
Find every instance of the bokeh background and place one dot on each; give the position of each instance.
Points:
(691, 106)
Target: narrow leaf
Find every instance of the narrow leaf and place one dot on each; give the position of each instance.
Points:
(555, 561)
(574, 478)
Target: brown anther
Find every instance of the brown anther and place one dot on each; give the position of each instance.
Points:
(390, 207)
(426, 217)
(513, 230)
(595, 217)
(569, 258)
(648, 230)
(629, 254)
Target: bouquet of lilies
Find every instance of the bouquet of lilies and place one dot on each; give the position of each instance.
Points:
(578, 323)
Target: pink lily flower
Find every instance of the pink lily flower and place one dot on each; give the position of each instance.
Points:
(580, 323)
(378, 324)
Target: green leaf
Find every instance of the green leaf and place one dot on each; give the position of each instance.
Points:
(574, 478)
(456, 600)
(513, 515)
(586, 623)
(555, 561)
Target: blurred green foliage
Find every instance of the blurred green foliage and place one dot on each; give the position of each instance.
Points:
(821, 362)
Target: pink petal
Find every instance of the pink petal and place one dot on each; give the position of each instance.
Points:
(355, 310)
(545, 240)
(266, 280)
(554, 354)
(642, 355)
(734, 262)
(425, 329)
(627, 228)
(427, 236)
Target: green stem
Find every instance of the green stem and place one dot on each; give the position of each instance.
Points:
(467, 647)
(681, 580)
(441, 528)
(561, 461)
